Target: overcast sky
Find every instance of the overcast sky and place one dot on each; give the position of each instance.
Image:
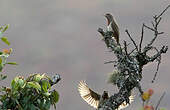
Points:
(60, 36)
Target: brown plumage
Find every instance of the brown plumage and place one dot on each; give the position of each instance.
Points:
(94, 99)
(112, 26)
(88, 95)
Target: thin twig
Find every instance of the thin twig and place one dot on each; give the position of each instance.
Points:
(140, 44)
(161, 33)
(132, 51)
(163, 11)
(159, 101)
(110, 62)
(155, 32)
(157, 68)
(149, 28)
(152, 23)
(159, 20)
(131, 39)
(125, 47)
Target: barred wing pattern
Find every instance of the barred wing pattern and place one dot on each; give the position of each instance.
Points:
(93, 99)
(88, 95)
(124, 104)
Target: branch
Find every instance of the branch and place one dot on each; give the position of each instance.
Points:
(123, 95)
(155, 24)
(163, 11)
(159, 101)
(140, 44)
(131, 39)
(163, 50)
(125, 46)
(130, 66)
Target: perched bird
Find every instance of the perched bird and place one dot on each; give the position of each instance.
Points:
(112, 26)
(94, 99)
(55, 79)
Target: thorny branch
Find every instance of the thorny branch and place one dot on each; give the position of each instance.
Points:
(130, 65)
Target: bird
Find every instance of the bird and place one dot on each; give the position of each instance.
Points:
(96, 100)
(112, 26)
(55, 79)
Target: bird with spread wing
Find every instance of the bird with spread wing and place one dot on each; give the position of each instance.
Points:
(94, 99)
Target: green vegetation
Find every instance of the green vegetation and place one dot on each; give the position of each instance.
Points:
(31, 93)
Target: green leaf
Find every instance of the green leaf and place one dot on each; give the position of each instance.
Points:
(1, 53)
(46, 94)
(21, 82)
(1, 67)
(2, 89)
(6, 27)
(34, 84)
(45, 85)
(0, 60)
(33, 107)
(5, 40)
(2, 77)
(12, 63)
(38, 77)
(16, 83)
(55, 96)
(1, 34)
(1, 27)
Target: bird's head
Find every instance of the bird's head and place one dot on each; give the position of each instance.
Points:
(105, 95)
(109, 17)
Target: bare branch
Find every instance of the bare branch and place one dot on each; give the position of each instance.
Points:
(149, 28)
(110, 62)
(132, 51)
(156, 108)
(159, 20)
(157, 68)
(140, 44)
(130, 66)
(163, 11)
(155, 24)
(131, 39)
(125, 44)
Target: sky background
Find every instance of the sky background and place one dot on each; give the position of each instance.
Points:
(60, 36)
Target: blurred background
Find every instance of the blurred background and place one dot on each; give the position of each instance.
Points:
(60, 36)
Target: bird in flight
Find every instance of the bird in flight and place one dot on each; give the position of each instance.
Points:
(94, 99)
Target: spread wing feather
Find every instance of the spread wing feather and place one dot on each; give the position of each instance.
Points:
(124, 104)
(91, 97)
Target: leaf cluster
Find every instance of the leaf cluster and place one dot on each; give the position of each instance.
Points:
(4, 53)
(32, 93)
